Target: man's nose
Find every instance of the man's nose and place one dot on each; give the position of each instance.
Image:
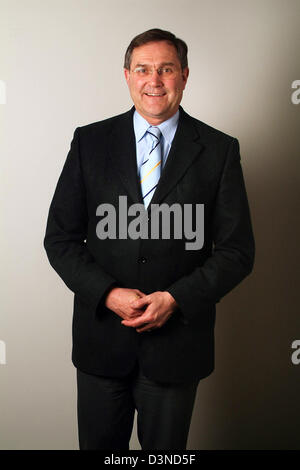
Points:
(155, 78)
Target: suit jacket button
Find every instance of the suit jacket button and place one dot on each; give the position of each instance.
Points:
(143, 260)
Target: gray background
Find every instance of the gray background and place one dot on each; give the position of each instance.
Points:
(62, 62)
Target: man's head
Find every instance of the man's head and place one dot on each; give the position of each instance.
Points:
(156, 71)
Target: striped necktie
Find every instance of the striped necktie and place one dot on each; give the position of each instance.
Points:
(151, 166)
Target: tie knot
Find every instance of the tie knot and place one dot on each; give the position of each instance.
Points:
(155, 132)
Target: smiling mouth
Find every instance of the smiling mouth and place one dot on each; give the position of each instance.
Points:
(155, 94)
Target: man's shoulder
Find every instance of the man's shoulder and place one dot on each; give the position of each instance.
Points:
(105, 125)
(206, 132)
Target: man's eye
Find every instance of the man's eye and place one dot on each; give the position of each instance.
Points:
(140, 70)
(167, 70)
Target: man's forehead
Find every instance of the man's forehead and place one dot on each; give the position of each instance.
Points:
(161, 52)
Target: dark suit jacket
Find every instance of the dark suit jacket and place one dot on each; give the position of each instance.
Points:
(203, 166)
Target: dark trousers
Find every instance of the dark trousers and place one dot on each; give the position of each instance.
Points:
(106, 409)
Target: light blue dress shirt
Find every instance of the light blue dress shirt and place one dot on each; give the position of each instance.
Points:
(143, 139)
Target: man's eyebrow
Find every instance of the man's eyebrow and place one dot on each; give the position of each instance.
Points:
(160, 65)
(167, 63)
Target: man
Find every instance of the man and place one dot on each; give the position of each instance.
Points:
(144, 306)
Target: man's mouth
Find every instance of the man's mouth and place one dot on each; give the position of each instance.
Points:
(155, 94)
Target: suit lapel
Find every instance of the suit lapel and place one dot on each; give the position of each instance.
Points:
(123, 154)
(185, 148)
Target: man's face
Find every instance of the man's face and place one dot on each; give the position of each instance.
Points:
(156, 95)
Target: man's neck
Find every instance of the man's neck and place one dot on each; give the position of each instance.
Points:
(153, 121)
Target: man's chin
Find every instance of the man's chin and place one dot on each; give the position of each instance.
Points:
(156, 113)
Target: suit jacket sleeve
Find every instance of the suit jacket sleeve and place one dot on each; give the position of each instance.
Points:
(66, 234)
(233, 244)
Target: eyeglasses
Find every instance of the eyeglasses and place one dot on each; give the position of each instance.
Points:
(164, 72)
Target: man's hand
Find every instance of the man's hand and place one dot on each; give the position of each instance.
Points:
(159, 307)
(119, 300)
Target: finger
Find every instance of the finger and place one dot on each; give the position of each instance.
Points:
(134, 296)
(148, 317)
(139, 293)
(132, 323)
(136, 322)
(130, 314)
(134, 314)
(141, 302)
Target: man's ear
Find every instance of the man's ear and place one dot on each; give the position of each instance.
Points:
(185, 74)
(126, 73)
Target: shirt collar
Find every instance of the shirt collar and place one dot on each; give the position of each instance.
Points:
(167, 128)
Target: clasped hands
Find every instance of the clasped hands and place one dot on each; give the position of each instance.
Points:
(140, 311)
